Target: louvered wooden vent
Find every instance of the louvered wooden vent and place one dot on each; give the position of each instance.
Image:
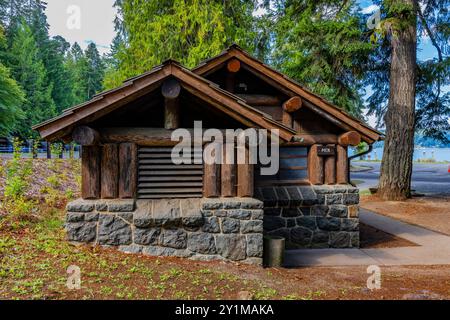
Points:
(159, 177)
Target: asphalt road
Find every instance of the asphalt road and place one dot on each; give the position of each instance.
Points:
(426, 178)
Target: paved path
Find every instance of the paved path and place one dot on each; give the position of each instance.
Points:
(426, 178)
(434, 248)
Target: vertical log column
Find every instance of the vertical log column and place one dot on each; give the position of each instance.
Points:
(315, 166)
(127, 170)
(330, 168)
(211, 172)
(110, 171)
(350, 138)
(244, 174)
(170, 90)
(90, 172)
(341, 165)
(228, 172)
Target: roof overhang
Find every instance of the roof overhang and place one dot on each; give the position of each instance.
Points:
(291, 88)
(132, 89)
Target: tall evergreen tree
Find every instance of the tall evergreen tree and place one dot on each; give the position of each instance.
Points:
(188, 31)
(408, 93)
(77, 66)
(11, 98)
(322, 45)
(29, 71)
(95, 70)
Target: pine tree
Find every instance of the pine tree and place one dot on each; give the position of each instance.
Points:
(29, 71)
(11, 98)
(187, 31)
(321, 44)
(408, 94)
(95, 70)
(77, 67)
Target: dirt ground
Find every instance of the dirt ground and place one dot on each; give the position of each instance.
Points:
(34, 258)
(429, 212)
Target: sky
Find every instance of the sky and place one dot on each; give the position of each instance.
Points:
(96, 23)
(83, 21)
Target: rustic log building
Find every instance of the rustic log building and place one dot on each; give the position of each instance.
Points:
(135, 197)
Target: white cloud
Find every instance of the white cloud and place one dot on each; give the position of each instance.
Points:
(95, 17)
(370, 9)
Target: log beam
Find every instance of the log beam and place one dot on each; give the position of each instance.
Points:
(315, 166)
(85, 136)
(293, 104)
(260, 99)
(341, 165)
(109, 171)
(90, 172)
(233, 65)
(351, 138)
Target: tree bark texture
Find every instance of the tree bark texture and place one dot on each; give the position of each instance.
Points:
(396, 168)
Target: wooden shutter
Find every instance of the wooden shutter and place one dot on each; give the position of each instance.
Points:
(159, 177)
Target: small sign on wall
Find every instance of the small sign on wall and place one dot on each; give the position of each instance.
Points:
(326, 150)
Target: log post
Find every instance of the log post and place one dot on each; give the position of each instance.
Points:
(211, 175)
(287, 119)
(228, 172)
(233, 66)
(110, 171)
(85, 136)
(90, 172)
(245, 175)
(315, 166)
(341, 165)
(49, 150)
(170, 90)
(330, 169)
(127, 170)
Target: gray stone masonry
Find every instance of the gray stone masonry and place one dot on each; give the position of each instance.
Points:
(200, 229)
(323, 216)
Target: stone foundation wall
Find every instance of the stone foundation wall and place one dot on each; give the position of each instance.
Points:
(203, 229)
(312, 216)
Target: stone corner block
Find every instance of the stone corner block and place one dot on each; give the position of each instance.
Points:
(122, 205)
(81, 205)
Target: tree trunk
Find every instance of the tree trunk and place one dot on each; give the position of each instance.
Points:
(396, 168)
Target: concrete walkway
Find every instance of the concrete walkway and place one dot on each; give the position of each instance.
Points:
(434, 248)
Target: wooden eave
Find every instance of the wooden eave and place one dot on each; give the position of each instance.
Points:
(291, 88)
(133, 88)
